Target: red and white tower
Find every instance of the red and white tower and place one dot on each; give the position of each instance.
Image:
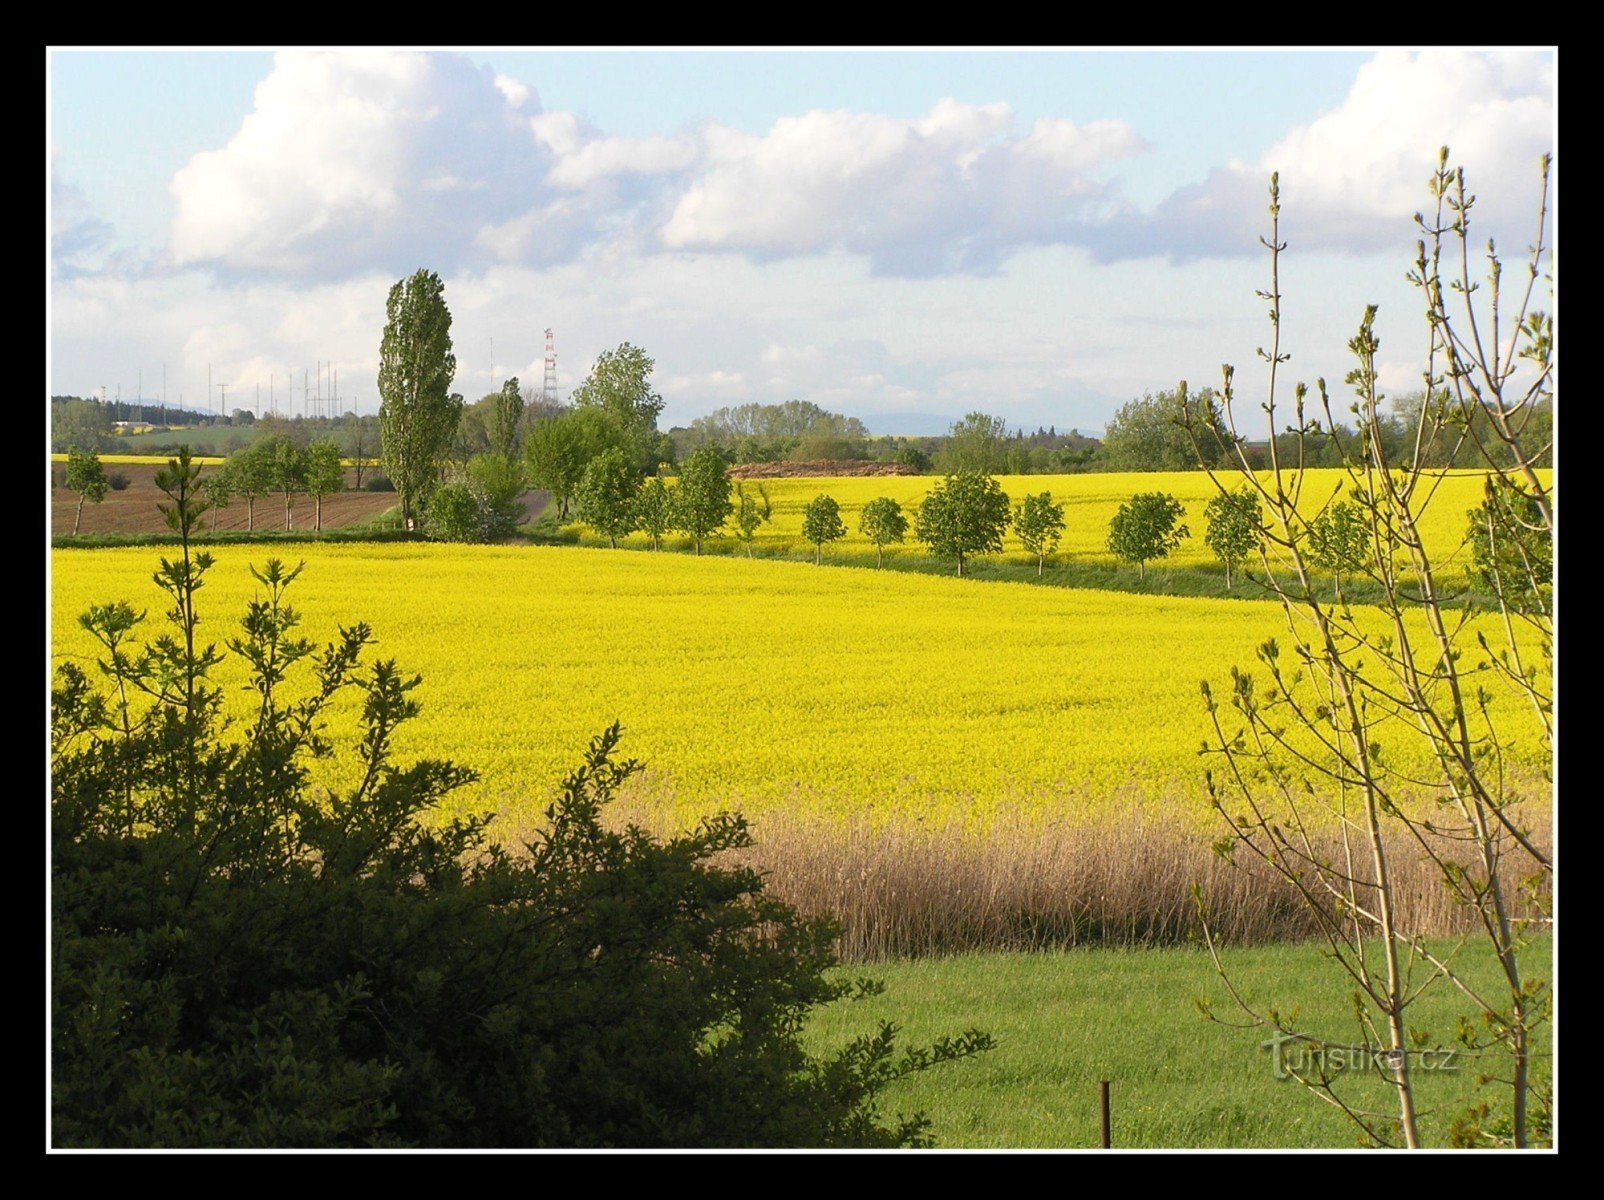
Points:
(548, 388)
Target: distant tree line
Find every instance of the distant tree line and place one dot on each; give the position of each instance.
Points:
(1145, 434)
(90, 424)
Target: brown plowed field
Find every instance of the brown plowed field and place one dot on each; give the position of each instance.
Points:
(133, 510)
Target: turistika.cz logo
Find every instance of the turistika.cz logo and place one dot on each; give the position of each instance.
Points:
(1299, 1056)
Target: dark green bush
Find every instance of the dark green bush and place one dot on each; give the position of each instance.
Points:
(452, 514)
(481, 504)
(378, 483)
(497, 483)
(912, 456)
(245, 955)
(117, 481)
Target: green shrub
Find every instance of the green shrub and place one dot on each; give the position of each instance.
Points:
(912, 456)
(481, 505)
(497, 483)
(452, 514)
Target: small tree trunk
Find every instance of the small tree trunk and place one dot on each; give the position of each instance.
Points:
(1227, 574)
(612, 542)
(818, 552)
(1141, 569)
(1041, 560)
(879, 555)
(287, 518)
(960, 566)
(78, 518)
(698, 545)
(318, 500)
(250, 514)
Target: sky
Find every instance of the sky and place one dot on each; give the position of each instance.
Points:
(904, 236)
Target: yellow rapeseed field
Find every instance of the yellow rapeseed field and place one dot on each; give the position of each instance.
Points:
(145, 460)
(766, 685)
(1089, 500)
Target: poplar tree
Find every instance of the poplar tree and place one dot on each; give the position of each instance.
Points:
(418, 414)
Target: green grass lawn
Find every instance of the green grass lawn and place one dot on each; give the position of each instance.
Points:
(1064, 1021)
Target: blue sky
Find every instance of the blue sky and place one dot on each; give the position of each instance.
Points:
(1040, 234)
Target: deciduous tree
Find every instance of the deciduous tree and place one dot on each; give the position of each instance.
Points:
(1147, 526)
(87, 477)
(654, 508)
(750, 513)
(1511, 549)
(362, 446)
(284, 468)
(882, 521)
(252, 950)
(978, 442)
(963, 515)
(1337, 539)
(605, 497)
(558, 449)
(1039, 523)
(620, 386)
(249, 479)
(81, 423)
(821, 523)
(217, 491)
(1149, 434)
(325, 473)
(1234, 527)
(1391, 722)
(702, 497)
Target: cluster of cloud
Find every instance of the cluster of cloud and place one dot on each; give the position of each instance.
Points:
(354, 161)
(350, 161)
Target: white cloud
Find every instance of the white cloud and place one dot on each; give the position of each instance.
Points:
(607, 156)
(383, 161)
(359, 160)
(518, 94)
(1354, 177)
(951, 190)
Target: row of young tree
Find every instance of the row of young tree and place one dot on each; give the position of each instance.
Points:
(965, 515)
(277, 466)
(968, 514)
